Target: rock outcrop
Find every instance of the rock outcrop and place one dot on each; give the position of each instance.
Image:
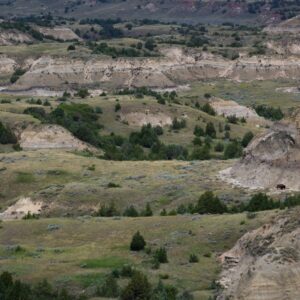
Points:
(59, 33)
(50, 137)
(265, 263)
(177, 66)
(12, 36)
(272, 158)
(231, 108)
(289, 26)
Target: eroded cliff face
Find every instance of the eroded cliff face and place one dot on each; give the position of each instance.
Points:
(12, 36)
(265, 263)
(177, 66)
(46, 136)
(272, 158)
(7, 65)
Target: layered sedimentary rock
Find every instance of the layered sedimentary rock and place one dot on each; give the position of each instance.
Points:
(271, 159)
(265, 263)
(50, 137)
(177, 66)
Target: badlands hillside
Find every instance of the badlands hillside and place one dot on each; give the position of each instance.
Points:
(149, 150)
(271, 159)
(264, 263)
(188, 11)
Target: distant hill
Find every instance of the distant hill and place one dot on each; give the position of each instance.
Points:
(190, 11)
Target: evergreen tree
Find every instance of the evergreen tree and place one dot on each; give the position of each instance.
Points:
(6, 135)
(209, 203)
(137, 243)
(148, 211)
(210, 130)
(233, 150)
(247, 138)
(131, 212)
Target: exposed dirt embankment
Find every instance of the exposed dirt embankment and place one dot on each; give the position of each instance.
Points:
(289, 26)
(59, 33)
(50, 137)
(21, 208)
(7, 65)
(12, 36)
(140, 117)
(265, 263)
(272, 158)
(285, 47)
(178, 66)
(231, 108)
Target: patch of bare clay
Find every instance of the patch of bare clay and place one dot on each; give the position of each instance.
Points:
(21, 208)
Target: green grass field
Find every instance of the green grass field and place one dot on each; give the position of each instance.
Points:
(83, 250)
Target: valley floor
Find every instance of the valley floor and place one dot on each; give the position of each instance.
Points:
(77, 253)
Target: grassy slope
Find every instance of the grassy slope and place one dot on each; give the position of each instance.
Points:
(83, 250)
(247, 93)
(65, 181)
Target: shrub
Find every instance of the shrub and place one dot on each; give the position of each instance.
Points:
(112, 185)
(117, 107)
(163, 213)
(201, 153)
(147, 212)
(83, 93)
(137, 243)
(233, 150)
(178, 124)
(150, 44)
(17, 147)
(131, 212)
(138, 288)
(71, 48)
(268, 112)
(261, 201)
(193, 258)
(147, 137)
(98, 110)
(108, 211)
(36, 112)
(159, 130)
(109, 288)
(209, 203)
(247, 138)
(47, 103)
(17, 74)
(161, 255)
(198, 131)
(80, 119)
(207, 254)
(185, 296)
(208, 109)
(210, 130)
(197, 141)
(162, 291)
(251, 215)
(232, 119)
(127, 271)
(227, 127)
(30, 216)
(6, 135)
(219, 147)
